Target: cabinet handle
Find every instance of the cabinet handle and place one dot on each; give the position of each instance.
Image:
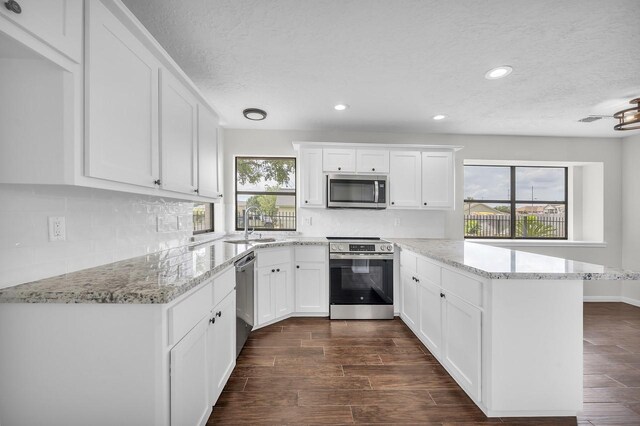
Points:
(273, 270)
(197, 191)
(157, 182)
(392, 203)
(297, 266)
(305, 201)
(212, 320)
(339, 168)
(442, 295)
(425, 204)
(219, 313)
(220, 195)
(277, 270)
(13, 6)
(373, 169)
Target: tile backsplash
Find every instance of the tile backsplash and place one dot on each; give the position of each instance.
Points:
(101, 227)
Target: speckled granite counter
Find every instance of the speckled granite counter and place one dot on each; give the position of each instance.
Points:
(155, 278)
(502, 263)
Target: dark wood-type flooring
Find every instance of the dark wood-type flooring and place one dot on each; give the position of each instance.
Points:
(304, 371)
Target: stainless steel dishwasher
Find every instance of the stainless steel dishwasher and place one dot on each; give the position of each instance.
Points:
(244, 299)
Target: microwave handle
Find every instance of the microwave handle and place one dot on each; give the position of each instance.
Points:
(376, 191)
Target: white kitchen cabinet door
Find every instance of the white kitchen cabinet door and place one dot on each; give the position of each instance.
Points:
(437, 180)
(372, 161)
(56, 22)
(207, 153)
(409, 300)
(404, 179)
(190, 403)
(178, 121)
(222, 345)
(121, 100)
(312, 180)
(265, 292)
(339, 160)
(283, 290)
(430, 315)
(461, 354)
(311, 287)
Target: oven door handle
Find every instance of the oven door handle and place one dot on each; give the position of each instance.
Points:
(337, 256)
(376, 192)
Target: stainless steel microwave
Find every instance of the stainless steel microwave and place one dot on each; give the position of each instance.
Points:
(355, 191)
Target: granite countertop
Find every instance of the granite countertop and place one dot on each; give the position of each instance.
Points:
(503, 263)
(154, 278)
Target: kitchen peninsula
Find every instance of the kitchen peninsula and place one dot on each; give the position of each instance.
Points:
(507, 325)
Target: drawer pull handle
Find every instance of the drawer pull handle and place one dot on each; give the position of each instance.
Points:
(212, 320)
(219, 313)
(442, 295)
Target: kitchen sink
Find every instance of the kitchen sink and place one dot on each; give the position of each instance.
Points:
(251, 241)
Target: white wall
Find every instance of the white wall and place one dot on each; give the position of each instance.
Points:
(102, 227)
(426, 224)
(630, 210)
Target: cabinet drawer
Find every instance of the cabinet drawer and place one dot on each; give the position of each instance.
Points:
(186, 314)
(223, 284)
(276, 256)
(408, 262)
(311, 254)
(429, 271)
(462, 286)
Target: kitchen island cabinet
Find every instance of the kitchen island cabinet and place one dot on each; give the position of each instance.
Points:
(506, 325)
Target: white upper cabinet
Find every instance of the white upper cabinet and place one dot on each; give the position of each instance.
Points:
(437, 180)
(372, 161)
(121, 140)
(178, 129)
(312, 181)
(207, 153)
(404, 179)
(56, 22)
(339, 160)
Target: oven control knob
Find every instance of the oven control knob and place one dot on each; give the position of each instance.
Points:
(389, 247)
(383, 248)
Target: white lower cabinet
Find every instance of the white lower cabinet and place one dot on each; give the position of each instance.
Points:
(461, 328)
(430, 327)
(190, 403)
(409, 300)
(274, 292)
(312, 291)
(448, 325)
(221, 345)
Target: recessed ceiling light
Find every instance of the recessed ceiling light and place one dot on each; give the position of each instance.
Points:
(498, 72)
(341, 107)
(439, 117)
(254, 114)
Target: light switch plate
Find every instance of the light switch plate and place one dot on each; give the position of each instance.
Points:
(57, 228)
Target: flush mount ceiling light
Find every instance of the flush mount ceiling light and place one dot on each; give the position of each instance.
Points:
(498, 72)
(439, 117)
(628, 119)
(254, 114)
(341, 107)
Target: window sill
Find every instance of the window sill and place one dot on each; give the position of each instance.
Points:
(539, 243)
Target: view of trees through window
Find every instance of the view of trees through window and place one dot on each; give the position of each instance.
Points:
(515, 202)
(269, 185)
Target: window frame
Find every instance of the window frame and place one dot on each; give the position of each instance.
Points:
(513, 202)
(212, 228)
(236, 192)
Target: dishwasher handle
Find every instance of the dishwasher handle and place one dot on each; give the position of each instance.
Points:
(245, 262)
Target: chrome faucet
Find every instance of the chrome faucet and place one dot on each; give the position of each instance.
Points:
(246, 222)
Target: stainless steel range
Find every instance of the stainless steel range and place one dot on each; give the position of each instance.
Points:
(360, 278)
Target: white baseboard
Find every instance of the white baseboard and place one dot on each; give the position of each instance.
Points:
(621, 299)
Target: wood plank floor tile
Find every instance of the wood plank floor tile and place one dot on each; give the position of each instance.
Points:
(256, 360)
(302, 335)
(262, 384)
(367, 359)
(273, 343)
(290, 371)
(364, 397)
(450, 397)
(258, 399)
(617, 394)
(418, 413)
(630, 378)
(292, 351)
(327, 343)
(402, 359)
(609, 414)
(275, 415)
(600, 381)
(379, 350)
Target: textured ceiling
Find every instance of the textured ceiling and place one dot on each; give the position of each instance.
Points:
(399, 62)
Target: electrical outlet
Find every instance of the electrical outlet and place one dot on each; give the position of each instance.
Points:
(57, 228)
(396, 222)
(307, 220)
(160, 226)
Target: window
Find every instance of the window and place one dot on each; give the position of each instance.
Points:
(268, 184)
(517, 202)
(202, 218)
